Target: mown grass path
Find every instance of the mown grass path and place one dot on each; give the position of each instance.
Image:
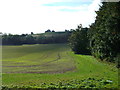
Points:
(51, 63)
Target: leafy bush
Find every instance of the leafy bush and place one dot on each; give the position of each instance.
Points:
(78, 41)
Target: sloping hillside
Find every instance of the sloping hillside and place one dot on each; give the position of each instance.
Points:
(54, 65)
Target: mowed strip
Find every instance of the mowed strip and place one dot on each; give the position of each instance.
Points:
(44, 58)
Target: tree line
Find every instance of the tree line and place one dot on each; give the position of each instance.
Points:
(45, 38)
(102, 39)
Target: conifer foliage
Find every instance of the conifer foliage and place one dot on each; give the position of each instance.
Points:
(104, 34)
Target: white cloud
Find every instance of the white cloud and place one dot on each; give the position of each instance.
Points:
(25, 16)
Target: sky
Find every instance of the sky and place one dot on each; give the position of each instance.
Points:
(37, 16)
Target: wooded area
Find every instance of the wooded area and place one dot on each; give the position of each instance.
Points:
(103, 35)
(44, 38)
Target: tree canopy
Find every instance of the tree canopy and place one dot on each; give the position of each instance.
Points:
(79, 40)
(103, 36)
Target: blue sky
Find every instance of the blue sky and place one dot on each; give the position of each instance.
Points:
(71, 4)
(25, 16)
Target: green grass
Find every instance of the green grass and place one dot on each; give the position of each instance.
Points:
(33, 65)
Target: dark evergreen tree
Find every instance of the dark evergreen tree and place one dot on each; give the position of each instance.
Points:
(104, 34)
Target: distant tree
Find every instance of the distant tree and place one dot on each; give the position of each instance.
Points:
(66, 30)
(11, 39)
(32, 33)
(53, 31)
(24, 35)
(56, 37)
(48, 31)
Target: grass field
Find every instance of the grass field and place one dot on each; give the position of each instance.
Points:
(50, 65)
